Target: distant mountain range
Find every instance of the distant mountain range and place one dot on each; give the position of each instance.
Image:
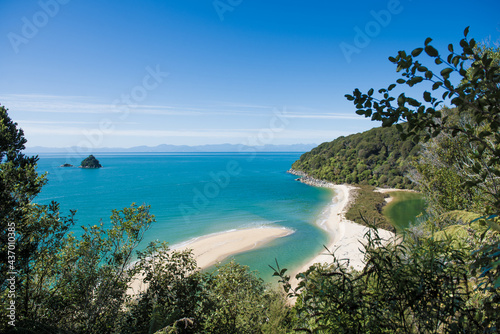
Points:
(175, 149)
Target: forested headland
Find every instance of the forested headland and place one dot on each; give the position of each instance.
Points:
(377, 157)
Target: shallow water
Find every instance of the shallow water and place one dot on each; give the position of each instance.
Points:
(405, 209)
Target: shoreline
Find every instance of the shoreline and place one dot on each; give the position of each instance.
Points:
(344, 235)
(213, 248)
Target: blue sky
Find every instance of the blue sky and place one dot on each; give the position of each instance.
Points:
(127, 73)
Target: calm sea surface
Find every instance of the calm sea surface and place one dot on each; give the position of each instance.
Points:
(197, 194)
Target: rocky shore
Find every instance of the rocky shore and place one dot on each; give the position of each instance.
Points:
(304, 178)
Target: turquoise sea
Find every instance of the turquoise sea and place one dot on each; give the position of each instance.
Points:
(195, 194)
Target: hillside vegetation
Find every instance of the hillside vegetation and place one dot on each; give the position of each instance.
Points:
(377, 157)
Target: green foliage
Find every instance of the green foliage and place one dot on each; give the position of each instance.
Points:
(79, 283)
(182, 300)
(90, 162)
(367, 206)
(376, 157)
(442, 166)
(419, 285)
(430, 282)
(239, 302)
(19, 184)
(28, 233)
(174, 289)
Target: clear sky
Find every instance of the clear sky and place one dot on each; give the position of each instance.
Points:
(125, 73)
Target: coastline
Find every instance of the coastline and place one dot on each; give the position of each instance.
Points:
(344, 235)
(214, 248)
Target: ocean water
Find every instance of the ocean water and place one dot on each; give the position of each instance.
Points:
(192, 195)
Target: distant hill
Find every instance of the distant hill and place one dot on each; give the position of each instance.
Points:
(177, 149)
(376, 157)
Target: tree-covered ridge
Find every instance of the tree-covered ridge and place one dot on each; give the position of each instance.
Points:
(376, 157)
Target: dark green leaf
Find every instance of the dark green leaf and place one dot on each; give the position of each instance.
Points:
(413, 102)
(446, 72)
(436, 85)
(416, 52)
(456, 101)
(401, 100)
(427, 97)
(431, 51)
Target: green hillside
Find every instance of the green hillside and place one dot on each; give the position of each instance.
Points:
(376, 157)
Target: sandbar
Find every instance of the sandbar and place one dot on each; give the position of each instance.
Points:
(212, 249)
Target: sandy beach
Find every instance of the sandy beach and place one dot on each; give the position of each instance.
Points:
(211, 249)
(345, 236)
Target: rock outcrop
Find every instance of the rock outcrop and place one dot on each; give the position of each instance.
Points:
(90, 162)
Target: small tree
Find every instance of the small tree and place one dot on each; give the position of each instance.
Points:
(28, 232)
